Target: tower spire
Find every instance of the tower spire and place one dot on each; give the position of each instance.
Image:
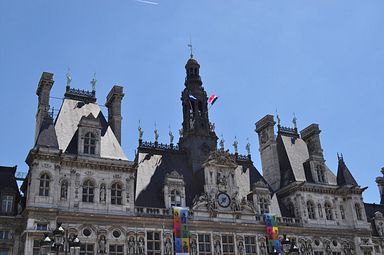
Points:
(190, 47)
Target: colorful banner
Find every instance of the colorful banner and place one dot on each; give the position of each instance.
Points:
(180, 230)
(272, 231)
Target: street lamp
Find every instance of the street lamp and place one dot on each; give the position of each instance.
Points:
(51, 246)
(74, 246)
(45, 244)
(294, 249)
(285, 244)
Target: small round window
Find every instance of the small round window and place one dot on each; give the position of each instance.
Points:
(86, 232)
(317, 242)
(116, 233)
(334, 242)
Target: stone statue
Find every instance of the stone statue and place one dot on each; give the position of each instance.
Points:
(131, 245)
(221, 179)
(156, 135)
(217, 250)
(93, 82)
(380, 228)
(102, 244)
(248, 147)
(64, 190)
(102, 193)
(168, 247)
(240, 248)
(141, 132)
(235, 144)
(221, 143)
(171, 137)
(294, 121)
(69, 79)
(193, 247)
(140, 246)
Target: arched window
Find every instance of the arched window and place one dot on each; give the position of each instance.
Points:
(64, 189)
(89, 143)
(175, 198)
(320, 210)
(44, 185)
(342, 212)
(88, 191)
(358, 211)
(311, 210)
(116, 194)
(291, 209)
(328, 211)
(320, 174)
(264, 207)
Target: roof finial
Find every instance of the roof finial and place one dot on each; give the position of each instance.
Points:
(222, 143)
(190, 47)
(171, 136)
(141, 132)
(235, 144)
(69, 77)
(93, 82)
(294, 121)
(248, 147)
(156, 134)
(278, 118)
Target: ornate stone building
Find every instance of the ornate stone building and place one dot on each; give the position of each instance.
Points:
(79, 176)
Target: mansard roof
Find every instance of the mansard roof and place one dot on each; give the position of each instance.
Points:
(66, 126)
(344, 176)
(47, 134)
(8, 179)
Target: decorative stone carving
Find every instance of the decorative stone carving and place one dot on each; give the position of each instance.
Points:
(305, 247)
(379, 223)
(217, 249)
(168, 247)
(102, 193)
(221, 157)
(241, 248)
(131, 245)
(193, 247)
(102, 245)
(140, 246)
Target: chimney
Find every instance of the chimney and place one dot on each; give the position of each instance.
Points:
(311, 136)
(268, 151)
(380, 184)
(43, 91)
(114, 110)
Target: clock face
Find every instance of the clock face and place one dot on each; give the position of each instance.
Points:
(223, 199)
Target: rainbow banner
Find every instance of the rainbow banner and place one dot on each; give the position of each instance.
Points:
(272, 231)
(180, 230)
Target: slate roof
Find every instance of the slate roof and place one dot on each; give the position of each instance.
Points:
(47, 134)
(344, 176)
(370, 209)
(66, 126)
(7, 179)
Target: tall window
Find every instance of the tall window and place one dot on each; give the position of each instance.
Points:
(328, 211)
(64, 189)
(4, 252)
(263, 203)
(116, 194)
(87, 249)
(7, 204)
(320, 174)
(205, 244)
(342, 212)
(89, 143)
(250, 245)
(88, 191)
(228, 245)
(175, 198)
(358, 212)
(44, 185)
(116, 249)
(4, 234)
(36, 247)
(311, 210)
(153, 243)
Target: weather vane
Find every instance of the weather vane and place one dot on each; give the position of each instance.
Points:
(190, 47)
(93, 82)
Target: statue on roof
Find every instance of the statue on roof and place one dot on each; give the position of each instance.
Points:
(235, 144)
(69, 78)
(141, 132)
(248, 147)
(171, 137)
(93, 82)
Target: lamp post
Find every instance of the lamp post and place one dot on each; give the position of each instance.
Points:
(51, 245)
(285, 244)
(294, 249)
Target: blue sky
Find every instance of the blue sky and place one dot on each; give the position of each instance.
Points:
(322, 60)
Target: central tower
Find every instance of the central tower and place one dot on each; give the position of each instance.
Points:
(198, 134)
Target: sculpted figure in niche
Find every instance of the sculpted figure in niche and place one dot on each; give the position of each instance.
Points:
(102, 193)
(64, 190)
(168, 247)
(217, 248)
(221, 179)
(140, 246)
(193, 247)
(380, 228)
(131, 245)
(102, 244)
(240, 248)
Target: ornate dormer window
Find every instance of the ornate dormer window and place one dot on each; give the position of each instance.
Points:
(174, 190)
(261, 197)
(7, 203)
(44, 185)
(263, 205)
(89, 136)
(89, 143)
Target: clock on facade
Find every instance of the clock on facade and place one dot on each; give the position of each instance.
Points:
(223, 199)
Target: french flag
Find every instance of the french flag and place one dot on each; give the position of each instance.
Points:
(212, 99)
(192, 98)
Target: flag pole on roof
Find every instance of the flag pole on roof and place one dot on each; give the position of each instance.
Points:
(211, 100)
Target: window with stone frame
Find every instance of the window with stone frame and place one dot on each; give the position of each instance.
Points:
(44, 185)
(88, 191)
(320, 174)
(116, 194)
(175, 198)
(359, 215)
(89, 143)
(116, 249)
(263, 205)
(153, 243)
(311, 210)
(250, 245)
(205, 244)
(328, 211)
(320, 210)
(5, 251)
(42, 226)
(64, 190)
(87, 249)
(36, 247)
(4, 235)
(7, 203)
(228, 244)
